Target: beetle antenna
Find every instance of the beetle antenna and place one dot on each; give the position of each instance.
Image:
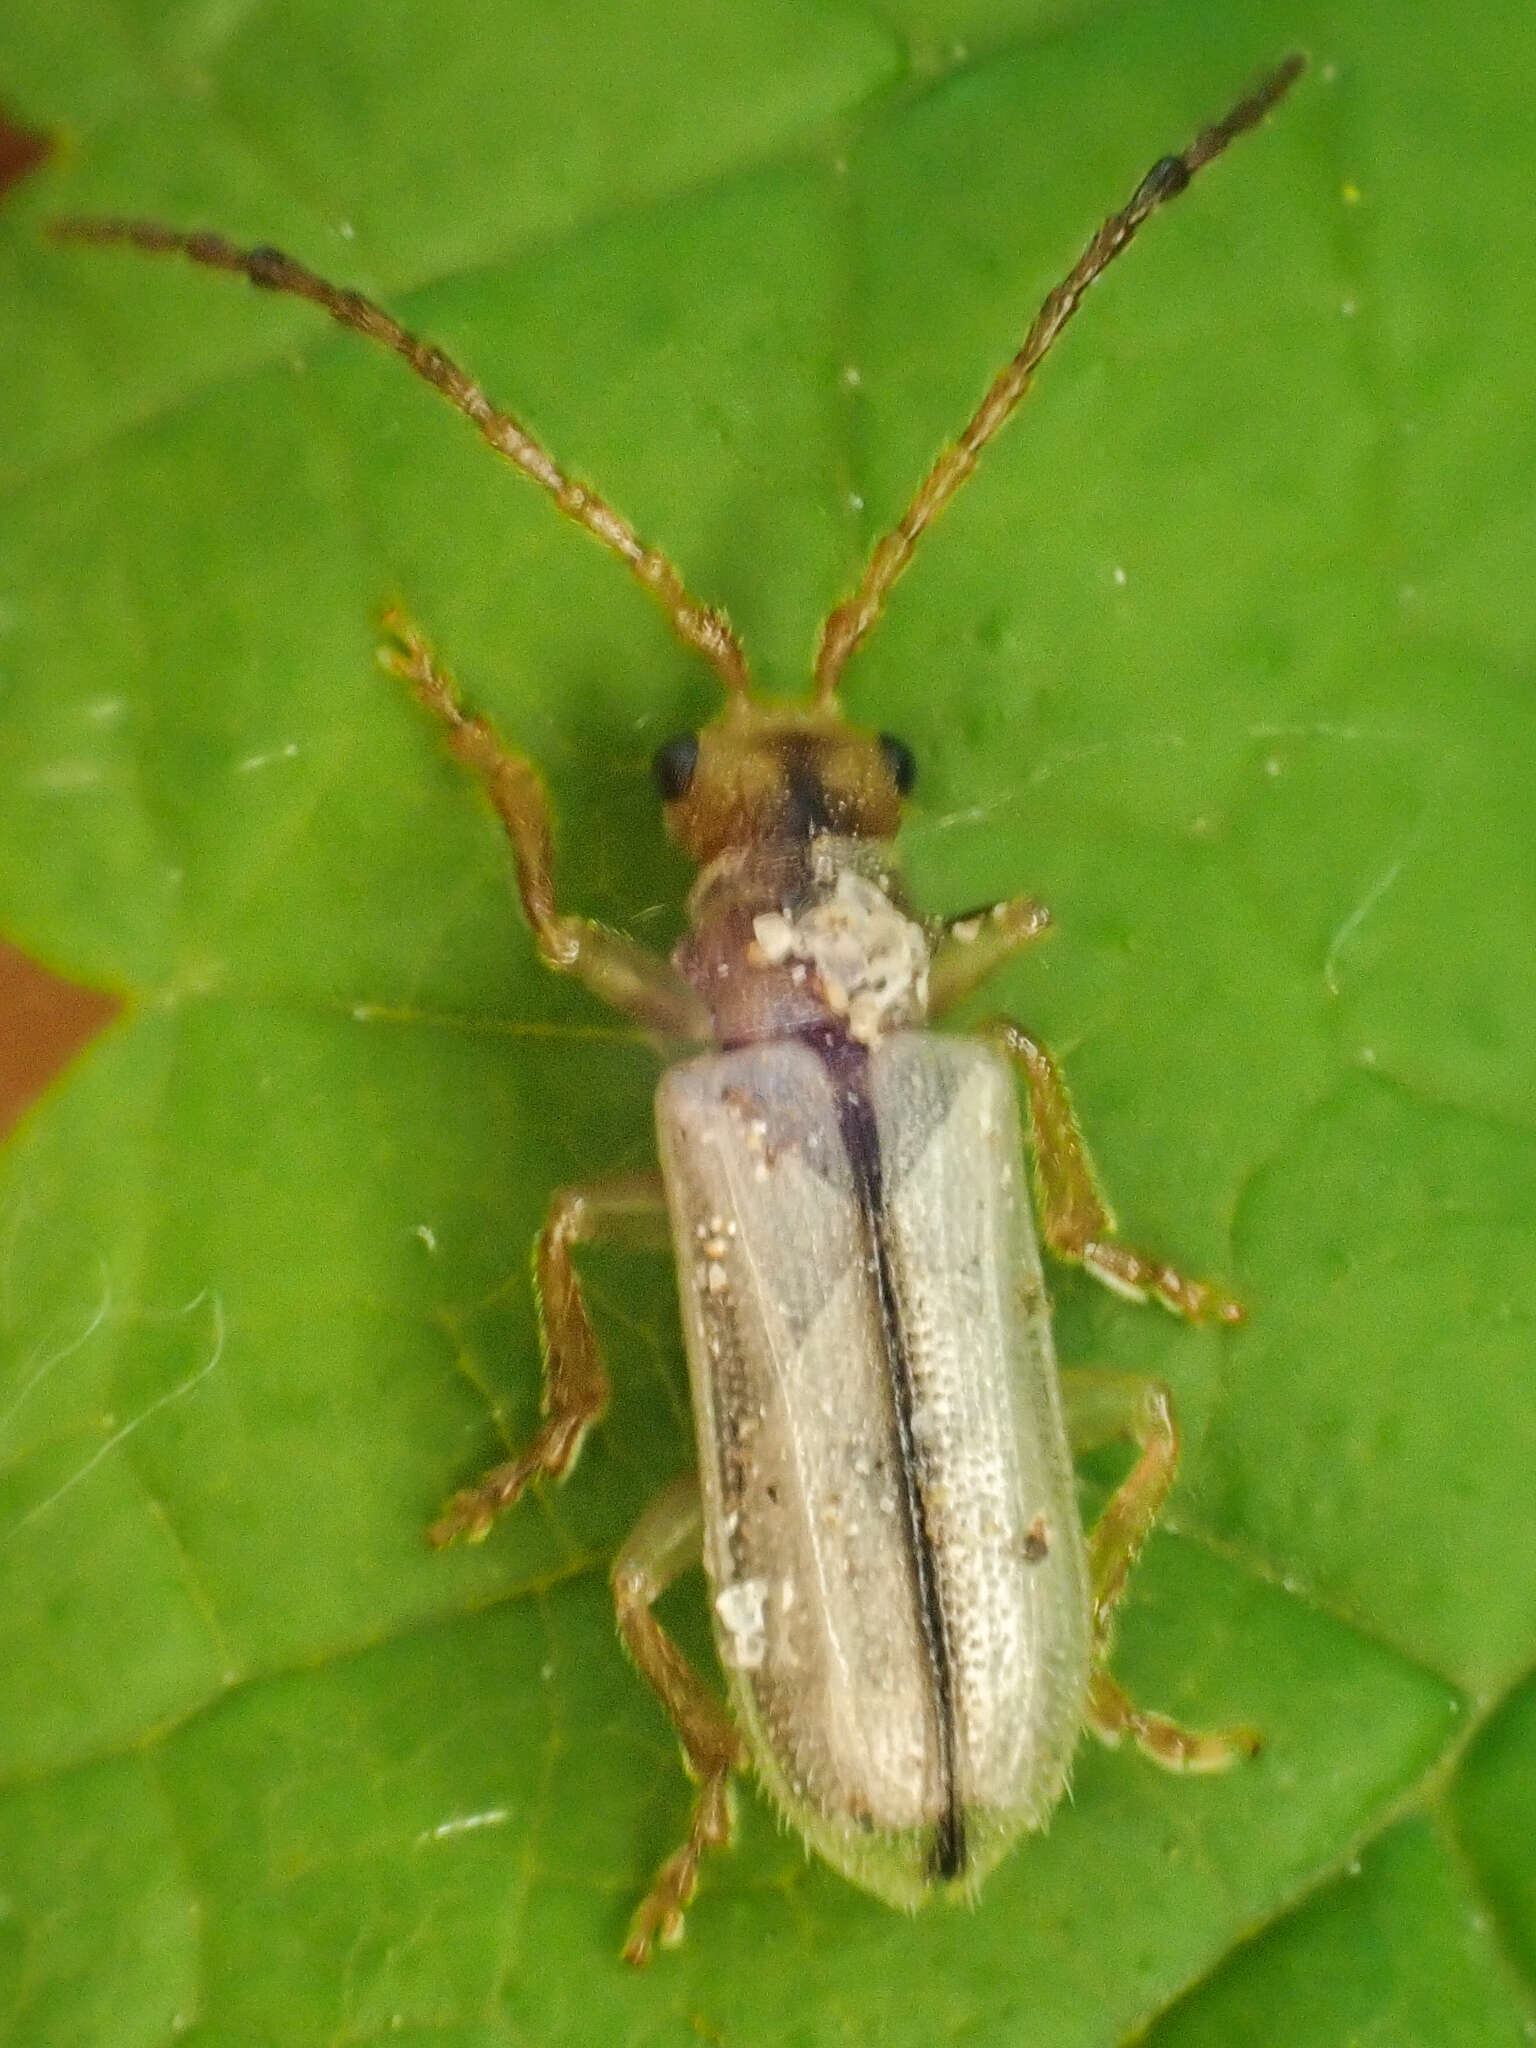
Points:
(849, 623)
(699, 626)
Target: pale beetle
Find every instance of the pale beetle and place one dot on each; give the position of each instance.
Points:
(912, 1623)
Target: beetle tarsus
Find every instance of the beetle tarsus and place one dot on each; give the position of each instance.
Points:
(1185, 1751)
(1131, 1273)
(659, 1917)
(472, 1512)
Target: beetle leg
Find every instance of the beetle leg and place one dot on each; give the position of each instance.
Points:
(1074, 1216)
(1101, 1406)
(629, 977)
(629, 1209)
(969, 948)
(666, 1540)
(1112, 1716)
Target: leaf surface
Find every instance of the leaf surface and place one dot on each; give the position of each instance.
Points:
(1223, 654)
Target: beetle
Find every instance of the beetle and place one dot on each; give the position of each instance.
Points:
(913, 1624)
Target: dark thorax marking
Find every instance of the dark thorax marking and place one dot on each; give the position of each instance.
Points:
(847, 1063)
(807, 813)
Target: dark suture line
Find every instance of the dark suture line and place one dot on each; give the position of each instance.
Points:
(847, 1063)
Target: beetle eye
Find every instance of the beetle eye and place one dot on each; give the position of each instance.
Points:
(898, 758)
(673, 764)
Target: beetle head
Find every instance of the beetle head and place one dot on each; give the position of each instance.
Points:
(770, 774)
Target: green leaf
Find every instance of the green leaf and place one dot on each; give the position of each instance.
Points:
(1223, 654)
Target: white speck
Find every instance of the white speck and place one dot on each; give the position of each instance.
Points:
(251, 761)
(852, 378)
(547, 1671)
(855, 502)
(345, 229)
(1330, 74)
(427, 1235)
(740, 1608)
(105, 710)
(465, 1824)
(1348, 309)
(1273, 767)
(775, 936)
(1119, 576)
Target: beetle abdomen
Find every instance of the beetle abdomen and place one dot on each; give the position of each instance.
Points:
(891, 1530)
